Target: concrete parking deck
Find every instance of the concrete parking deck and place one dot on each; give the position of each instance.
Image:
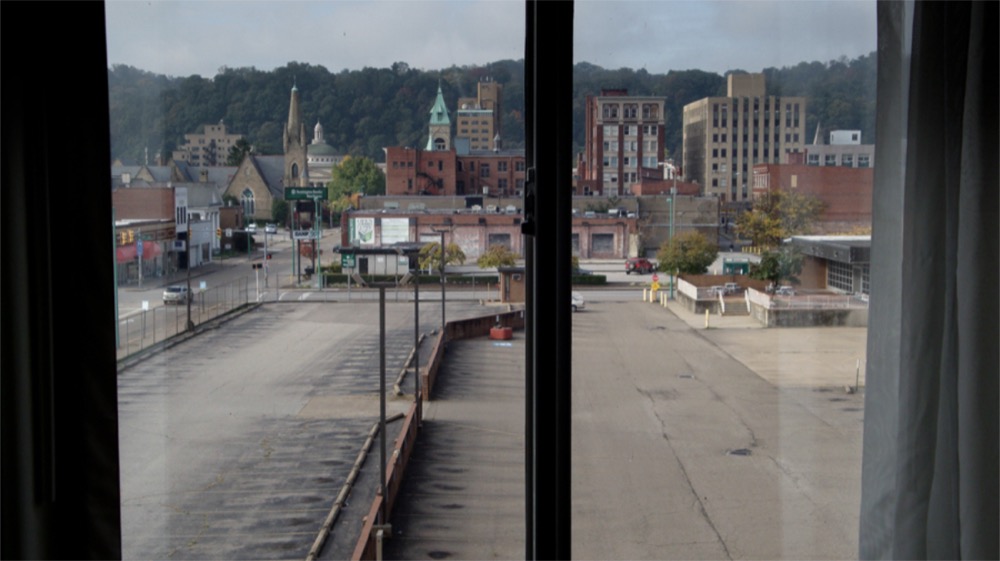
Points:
(731, 442)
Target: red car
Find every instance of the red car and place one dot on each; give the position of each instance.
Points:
(639, 265)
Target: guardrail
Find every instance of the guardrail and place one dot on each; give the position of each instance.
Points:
(144, 329)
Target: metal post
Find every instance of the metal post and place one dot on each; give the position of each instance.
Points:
(416, 341)
(318, 262)
(187, 251)
(673, 206)
(442, 283)
(381, 402)
(114, 251)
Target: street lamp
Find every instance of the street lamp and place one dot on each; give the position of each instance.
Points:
(673, 211)
(442, 232)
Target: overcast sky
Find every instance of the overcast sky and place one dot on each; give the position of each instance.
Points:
(184, 37)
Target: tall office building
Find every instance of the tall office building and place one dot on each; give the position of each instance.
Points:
(478, 118)
(725, 136)
(624, 134)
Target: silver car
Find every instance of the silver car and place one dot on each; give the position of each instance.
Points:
(578, 303)
(176, 294)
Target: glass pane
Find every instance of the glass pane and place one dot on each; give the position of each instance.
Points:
(718, 399)
(278, 163)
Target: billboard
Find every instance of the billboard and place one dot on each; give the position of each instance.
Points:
(395, 230)
(362, 231)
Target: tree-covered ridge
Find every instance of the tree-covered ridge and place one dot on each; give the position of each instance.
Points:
(363, 111)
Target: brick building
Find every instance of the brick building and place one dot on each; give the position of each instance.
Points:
(447, 168)
(599, 236)
(846, 192)
(624, 136)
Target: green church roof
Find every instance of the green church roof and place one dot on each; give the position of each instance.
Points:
(439, 113)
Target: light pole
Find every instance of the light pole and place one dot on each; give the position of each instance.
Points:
(442, 232)
(673, 210)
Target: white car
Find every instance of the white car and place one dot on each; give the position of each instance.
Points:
(271, 229)
(176, 294)
(578, 303)
(252, 227)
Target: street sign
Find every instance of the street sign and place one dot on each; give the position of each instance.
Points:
(347, 261)
(304, 235)
(305, 193)
(138, 248)
(257, 265)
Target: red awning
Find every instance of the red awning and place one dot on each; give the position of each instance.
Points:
(126, 253)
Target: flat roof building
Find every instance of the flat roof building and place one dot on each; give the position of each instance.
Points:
(725, 136)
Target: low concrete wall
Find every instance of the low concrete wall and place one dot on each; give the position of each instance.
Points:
(366, 547)
(464, 329)
(800, 317)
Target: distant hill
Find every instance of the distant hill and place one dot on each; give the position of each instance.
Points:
(363, 111)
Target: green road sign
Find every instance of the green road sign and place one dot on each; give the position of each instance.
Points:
(304, 193)
(347, 261)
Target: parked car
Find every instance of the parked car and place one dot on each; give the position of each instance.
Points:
(639, 265)
(578, 303)
(176, 294)
(716, 290)
(733, 288)
(785, 291)
(271, 229)
(251, 227)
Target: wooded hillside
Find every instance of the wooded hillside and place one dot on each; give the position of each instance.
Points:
(363, 111)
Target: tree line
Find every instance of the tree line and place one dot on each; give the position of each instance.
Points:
(363, 111)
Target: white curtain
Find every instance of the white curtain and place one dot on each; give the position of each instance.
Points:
(931, 475)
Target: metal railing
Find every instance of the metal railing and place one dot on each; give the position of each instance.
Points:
(144, 329)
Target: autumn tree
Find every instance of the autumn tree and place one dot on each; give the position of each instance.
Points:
(430, 256)
(497, 255)
(355, 175)
(778, 215)
(687, 252)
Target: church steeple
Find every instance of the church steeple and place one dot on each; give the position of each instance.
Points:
(439, 137)
(294, 141)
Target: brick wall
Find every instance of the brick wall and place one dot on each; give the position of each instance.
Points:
(847, 192)
(143, 203)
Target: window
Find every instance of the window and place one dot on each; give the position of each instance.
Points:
(840, 276)
(652, 402)
(813, 160)
(519, 165)
(484, 170)
(830, 160)
(847, 160)
(863, 161)
(502, 166)
(247, 200)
